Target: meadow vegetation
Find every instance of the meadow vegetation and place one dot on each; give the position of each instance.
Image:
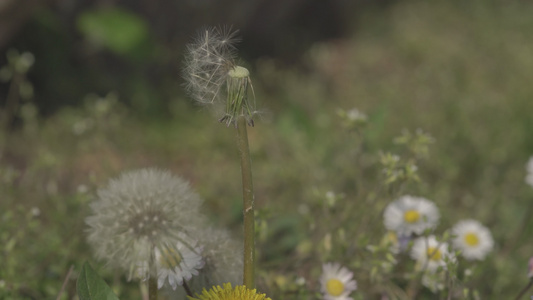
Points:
(446, 113)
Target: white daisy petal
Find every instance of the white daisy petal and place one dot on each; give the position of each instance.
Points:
(336, 282)
(473, 239)
(178, 263)
(408, 215)
(430, 253)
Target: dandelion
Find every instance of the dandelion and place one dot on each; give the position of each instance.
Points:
(336, 282)
(409, 214)
(210, 71)
(529, 170)
(223, 261)
(228, 293)
(430, 253)
(142, 223)
(473, 239)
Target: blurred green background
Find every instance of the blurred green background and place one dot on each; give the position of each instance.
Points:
(92, 88)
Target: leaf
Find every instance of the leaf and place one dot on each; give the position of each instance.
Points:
(119, 30)
(91, 286)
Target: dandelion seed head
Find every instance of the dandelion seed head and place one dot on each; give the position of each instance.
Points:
(208, 60)
(138, 215)
(223, 261)
(213, 78)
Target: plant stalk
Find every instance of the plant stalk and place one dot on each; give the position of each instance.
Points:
(152, 288)
(248, 203)
(524, 290)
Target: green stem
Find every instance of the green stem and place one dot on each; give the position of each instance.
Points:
(524, 290)
(152, 288)
(12, 102)
(248, 203)
(187, 289)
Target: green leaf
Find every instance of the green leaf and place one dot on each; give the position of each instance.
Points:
(91, 286)
(118, 30)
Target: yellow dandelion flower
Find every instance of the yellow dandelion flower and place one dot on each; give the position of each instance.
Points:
(240, 292)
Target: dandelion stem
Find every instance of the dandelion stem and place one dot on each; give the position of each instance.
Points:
(524, 290)
(187, 289)
(65, 282)
(248, 202)
(152, 288)
(12, 102)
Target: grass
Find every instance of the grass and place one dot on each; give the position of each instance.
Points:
(459, 71)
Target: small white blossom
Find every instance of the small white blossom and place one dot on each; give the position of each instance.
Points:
(408, 215)
(336, 282)
(178, 264)
(473, 239)
(430, 253)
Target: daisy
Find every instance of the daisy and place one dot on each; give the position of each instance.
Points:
(409, 214)
(228, 293)
(177, 263)
(529, 169)
(336, 282)
(473, 239)
(430, 254)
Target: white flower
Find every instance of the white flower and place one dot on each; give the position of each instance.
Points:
(434, 281)
(178, 263)
(354, 115)
(529, 170)
(409, 214)
(430, 254)
(141, 214)
(336, 282)
(473, 239)
(223, 259)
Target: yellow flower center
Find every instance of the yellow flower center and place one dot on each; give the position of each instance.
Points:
(411, 216)
(169, 258)
(434, 254)
(471, 239)
(334, 287)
